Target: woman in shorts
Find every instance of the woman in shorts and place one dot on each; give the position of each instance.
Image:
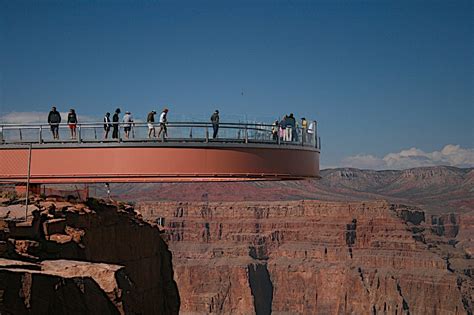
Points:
(72, 122)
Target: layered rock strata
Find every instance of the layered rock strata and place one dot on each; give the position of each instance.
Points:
(97, 233)
(307, 257)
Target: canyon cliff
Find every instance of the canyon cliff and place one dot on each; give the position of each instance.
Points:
(84, 258)
(345, 244)
(314, 257)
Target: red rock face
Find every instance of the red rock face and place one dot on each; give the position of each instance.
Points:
(121, 238)
(306, 257)
(97, 233)
(466, 233)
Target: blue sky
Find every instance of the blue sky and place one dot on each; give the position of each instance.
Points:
(379, 76)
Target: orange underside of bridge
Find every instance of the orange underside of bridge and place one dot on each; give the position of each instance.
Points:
(156, 164)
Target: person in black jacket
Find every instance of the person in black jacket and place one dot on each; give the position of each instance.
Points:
(115, 123)
(215, 123)
(293, 133)
(54, 119)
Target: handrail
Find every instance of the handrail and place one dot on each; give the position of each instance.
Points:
(140, 124)
(171, 123)
(178, 131)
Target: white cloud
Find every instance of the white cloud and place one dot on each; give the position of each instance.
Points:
(363, 162)
(451, 155)
(39, 117)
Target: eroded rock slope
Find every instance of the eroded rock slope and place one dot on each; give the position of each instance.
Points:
(91, 257)
(311, 257)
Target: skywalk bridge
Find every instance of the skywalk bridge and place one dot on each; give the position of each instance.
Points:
(242, 151)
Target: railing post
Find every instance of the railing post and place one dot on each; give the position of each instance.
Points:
(21, 136)
(28, 175)
(315, 134)
(207, 133)
(246, 134)
(78, 134)
(40, 134)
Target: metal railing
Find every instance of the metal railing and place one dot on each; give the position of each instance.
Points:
(176, 132)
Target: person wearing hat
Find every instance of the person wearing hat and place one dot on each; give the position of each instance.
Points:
(150, 119)
(115, 120)
(215, 123)
(163, 121)
(127, 124)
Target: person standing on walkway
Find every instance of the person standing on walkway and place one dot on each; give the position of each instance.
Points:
(107, 125)
(215, 123)
(283, 126)
(311, 132)
(275, 130)
(72, 122)
(54, 119)
(304, 129)
(127, 123)
(163, 122)
(291, 127)
(150, 119)
(115, 125)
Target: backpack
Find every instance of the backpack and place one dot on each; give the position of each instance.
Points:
(150, 118)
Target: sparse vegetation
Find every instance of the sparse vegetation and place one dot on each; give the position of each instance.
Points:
(12, 195)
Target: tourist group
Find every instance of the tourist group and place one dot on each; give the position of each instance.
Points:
(285, 130)
(54, 119)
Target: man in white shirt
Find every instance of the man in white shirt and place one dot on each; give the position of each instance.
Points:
(163, 122)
